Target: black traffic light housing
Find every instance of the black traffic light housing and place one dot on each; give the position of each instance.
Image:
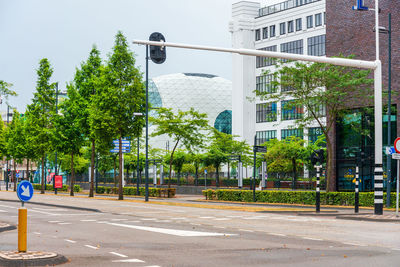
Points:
(318, 156)
(157, 53)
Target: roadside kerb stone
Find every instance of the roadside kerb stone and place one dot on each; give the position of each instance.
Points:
(370, 217)
(30, 258)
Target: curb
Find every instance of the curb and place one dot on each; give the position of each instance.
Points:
(59, 259)
(53, 205)
(359, 218)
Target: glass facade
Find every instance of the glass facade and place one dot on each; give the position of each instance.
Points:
(291, 112)
(264, 84)
(223, 122)
(355, 140)
(314, 133)
(291, 132)
(316, 45)
(266, 112)
(266, 61)
(264, 136)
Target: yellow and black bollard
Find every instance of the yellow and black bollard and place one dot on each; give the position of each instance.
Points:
(22, 229)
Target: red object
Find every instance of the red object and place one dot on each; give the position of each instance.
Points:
(58, 181)
(397, 144)
(17, 171)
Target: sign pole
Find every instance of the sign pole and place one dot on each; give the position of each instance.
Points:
(356, 197)
(317, 192)
(397, 188)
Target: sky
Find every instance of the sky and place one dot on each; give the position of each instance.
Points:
(64, 31)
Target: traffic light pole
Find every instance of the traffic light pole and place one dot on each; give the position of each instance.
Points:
(55, 165)
(317, 191)
(356, 197)
(254, 170)
(8, 121)
(146, 198)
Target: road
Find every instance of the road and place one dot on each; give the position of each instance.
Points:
(132, 233)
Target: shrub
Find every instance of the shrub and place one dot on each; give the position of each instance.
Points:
(366, 199)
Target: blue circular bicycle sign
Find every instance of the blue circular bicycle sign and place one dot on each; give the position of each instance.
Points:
(25, 191)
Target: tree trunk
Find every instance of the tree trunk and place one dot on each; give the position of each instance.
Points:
(179, 178)
(197, 176)
(115, 167)
(121, 169)
(15, 175)
(329, 181)
(217, 177)
(229, 171)
(92, 170)
(170, 164)
(72, 175)
(294, 174)
(27, 169)
(42, 190)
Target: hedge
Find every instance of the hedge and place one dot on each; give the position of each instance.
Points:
(153, 192)
(49, 187)
(366, 199)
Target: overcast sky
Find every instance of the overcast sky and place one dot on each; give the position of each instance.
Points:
(65, 30)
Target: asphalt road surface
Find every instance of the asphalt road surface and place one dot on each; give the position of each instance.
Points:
(125, 233)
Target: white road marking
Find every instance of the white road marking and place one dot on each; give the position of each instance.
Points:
(222, 219)
(89, 246)
(351, 244)
(181, 218)
(6, 206)
(120, 255)
(88, 220)
(245, 230)
(311, 238)
(222, 227)
(54, 221)
(207, 217)
(171, 231)
(148, 219)
(133, 221)
(277, 234)
(164, 220)
(3, 211)
(235, 216)
(63, 223)
(195, 224)
(119, 219)
(36, 233)
(129, 260)
(398, 249)
(102, 222)
(70, 241)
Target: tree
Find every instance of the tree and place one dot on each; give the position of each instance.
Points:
(286, 155)
(180, 158)
(40, 114)
(185, 127)
(68, 136)
(322, 89)
(15, 141)
(5, 90)
(86, 79)
(122, 94)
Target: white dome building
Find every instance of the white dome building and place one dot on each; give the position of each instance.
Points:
(205, 93)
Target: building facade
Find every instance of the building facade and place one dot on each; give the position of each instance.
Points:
(319, 28)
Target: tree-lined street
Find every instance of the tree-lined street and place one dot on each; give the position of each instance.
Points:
(97, 232)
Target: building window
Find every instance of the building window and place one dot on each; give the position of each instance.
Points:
(286, 77)
(309, 22)
(258, 35)
(265, 32)
(319, 110)
(266, 61)
(294, 47)
(272, 31)
(316, 45)
(318, 19)
(313, 134)
(299, 24)
(285, 133)
(290, 111)
(264, 136)
(290, 26)
(264, 84)
(282, 28)
(266, 112)
(324, 18)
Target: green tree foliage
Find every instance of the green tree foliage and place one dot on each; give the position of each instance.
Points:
(320, 87)
(40, 114)
(180, 158)
(5, 90)
(121, 94)
(186, 127)
(68, 137)
(86, 80)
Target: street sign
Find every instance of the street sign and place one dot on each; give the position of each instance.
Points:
(117, 150)
(397, 144)
(261, 149)
(25, 191)
(396, 156)
(389, 150)
(58, 181)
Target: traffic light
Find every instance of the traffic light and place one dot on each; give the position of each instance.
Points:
(8, 172)
(157, 53)
(318, 156)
